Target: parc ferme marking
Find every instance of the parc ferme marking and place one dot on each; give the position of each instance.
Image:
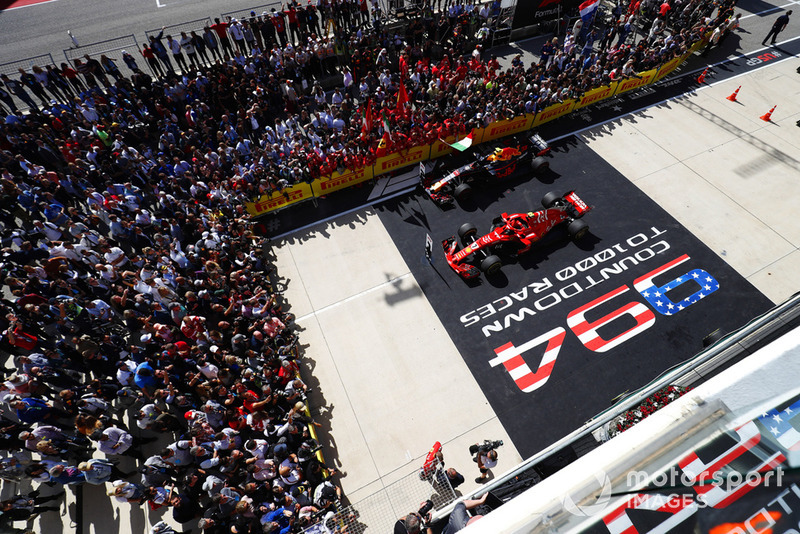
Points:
(511, 356)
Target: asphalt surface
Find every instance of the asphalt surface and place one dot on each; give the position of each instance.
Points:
(540, 297)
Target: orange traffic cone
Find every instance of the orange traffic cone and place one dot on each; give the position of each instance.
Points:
(768, 116)
(732, 97)
(702, 77)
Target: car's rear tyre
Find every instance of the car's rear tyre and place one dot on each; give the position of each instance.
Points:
(577, 229)
(463, 192)
(539, 165)
(466, 232)
(491, 264)
(550, 199)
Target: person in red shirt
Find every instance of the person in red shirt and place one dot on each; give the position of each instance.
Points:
(150, 57)
(291, 13)
(221, 28)
(280, 25)
(664, 10)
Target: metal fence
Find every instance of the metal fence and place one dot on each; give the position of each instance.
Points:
(379, 512)
(112, 49)
(11, 69)
(245, 13)
(175, 29)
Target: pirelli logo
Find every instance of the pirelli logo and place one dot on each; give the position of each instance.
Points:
(278, 200)
(627, 85)
(401, 160)
(503, 128)
(554, 111)
(343, 180)
(594, 97)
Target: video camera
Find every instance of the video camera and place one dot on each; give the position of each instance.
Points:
(486, 446)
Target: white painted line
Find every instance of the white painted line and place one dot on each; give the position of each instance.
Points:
(159, 5)
(352, 297)
(29, 5)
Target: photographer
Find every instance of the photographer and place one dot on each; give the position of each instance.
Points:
(415, 522)
(485, 455)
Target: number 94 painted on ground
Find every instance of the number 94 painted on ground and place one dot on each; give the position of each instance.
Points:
(510, 355)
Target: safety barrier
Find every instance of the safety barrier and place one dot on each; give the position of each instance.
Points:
(175, 29)
(11, 69)
(111, 48)
(379, 511)
(496, 130)
(245, 13)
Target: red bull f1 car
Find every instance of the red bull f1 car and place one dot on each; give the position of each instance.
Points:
(513, 234)
(492, 162)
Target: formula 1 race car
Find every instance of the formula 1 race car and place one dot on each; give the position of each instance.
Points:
(512, 235)
(493, 161)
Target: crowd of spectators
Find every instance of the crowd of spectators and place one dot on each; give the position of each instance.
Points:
(136, 289)
(258, 93)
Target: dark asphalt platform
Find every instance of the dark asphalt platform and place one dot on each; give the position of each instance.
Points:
(630, 237)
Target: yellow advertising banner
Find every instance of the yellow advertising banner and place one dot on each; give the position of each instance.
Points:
(503, 128)
(668, 67)
(700, 44)
(644, 78)
(596, 95)
(401, 159)
(553, 112)
(439, 149)
(477, 135)
(290, 195)
(337, 180)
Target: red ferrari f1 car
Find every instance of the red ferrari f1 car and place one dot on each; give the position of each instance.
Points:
(492, 162)
(513, 234)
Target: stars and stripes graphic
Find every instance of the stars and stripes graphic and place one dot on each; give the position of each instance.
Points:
(511, 358)
(779, 424)
(657, 295)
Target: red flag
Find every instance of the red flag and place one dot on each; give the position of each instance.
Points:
(402, 99)
(366, 126)
(383, 145)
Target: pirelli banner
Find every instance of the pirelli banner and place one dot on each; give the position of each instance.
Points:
(642, 79)
(669, 66)
(596, 95)
(503, 128)
(278, 200)
(553, 112)
(401, 159)
(341, 180)
(439, 149)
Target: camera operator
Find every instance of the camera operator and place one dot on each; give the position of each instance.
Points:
(486, 456)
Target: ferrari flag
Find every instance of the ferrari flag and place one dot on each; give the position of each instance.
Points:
(402, 99)
(460, 145)
(588, 9)
(366, 126)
